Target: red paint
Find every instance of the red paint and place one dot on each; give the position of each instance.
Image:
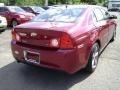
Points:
(80, 36)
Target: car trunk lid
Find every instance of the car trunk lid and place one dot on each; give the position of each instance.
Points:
(37, 37)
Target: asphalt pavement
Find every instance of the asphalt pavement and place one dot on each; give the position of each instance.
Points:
(18, 76)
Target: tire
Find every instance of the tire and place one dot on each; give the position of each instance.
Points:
(93, 58)
(113, 37)
(14, 23)
(2, 30)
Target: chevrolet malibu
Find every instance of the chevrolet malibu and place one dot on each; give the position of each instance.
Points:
(67, 38)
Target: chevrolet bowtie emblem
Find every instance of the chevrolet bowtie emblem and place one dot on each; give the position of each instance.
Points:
(33, 34)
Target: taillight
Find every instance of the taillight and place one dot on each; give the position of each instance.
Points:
(66, 41)
(15, 36)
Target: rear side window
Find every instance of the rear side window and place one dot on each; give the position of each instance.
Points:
(94, 18)
(98, 14)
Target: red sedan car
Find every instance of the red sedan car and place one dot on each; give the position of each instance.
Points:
(67, 38)
(15, 15)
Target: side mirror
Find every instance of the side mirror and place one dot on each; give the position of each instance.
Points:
(113, 17)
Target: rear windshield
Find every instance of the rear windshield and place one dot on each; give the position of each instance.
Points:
(60, 15)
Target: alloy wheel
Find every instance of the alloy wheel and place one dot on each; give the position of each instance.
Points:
(95, 56)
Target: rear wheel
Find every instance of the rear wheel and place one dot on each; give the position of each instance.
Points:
(14, 23)
(93, 59)
(2, 30)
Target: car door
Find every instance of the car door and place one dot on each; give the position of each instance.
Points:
(101, 25)
(111, 22)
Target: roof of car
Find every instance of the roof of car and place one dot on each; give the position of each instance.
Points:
(75, 6)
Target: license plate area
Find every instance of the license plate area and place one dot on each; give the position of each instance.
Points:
(32, 57)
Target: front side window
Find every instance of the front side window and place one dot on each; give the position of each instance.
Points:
(60, 15)
(105, 13)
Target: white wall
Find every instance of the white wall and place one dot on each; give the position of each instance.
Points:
(114, 4)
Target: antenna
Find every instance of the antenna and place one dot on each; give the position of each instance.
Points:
(66, 3)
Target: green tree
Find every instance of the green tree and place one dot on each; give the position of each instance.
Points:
(51, 2)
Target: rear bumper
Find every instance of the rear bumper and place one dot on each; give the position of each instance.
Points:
(65, 60)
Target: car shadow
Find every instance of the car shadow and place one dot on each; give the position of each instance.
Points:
(16, 76)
